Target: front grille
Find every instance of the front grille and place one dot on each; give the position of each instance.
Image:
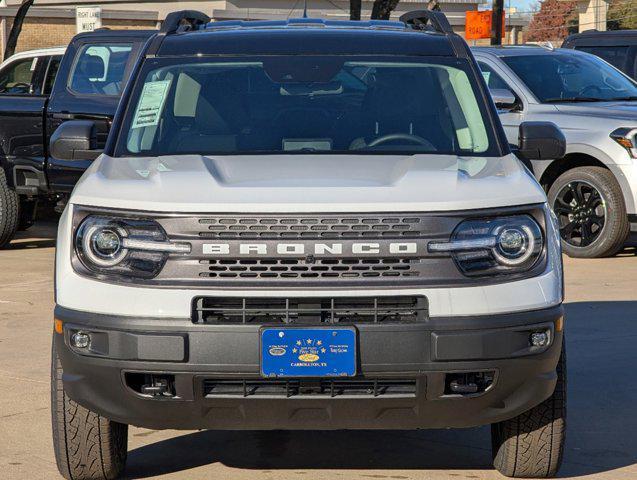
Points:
(327, 249)
(213, 388)
(310, 227)
(228, 310)
(332, 268)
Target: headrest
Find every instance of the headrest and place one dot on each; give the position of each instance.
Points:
(92, 66)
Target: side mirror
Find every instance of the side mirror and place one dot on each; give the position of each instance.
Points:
(75, 140)
(504, 99)
(540, 141)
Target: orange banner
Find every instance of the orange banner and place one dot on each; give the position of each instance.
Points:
(478, 24)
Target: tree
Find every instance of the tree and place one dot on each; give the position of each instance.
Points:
(355, 7)
(622, 15)
(16, 28)
(552, 21)
(381, 10)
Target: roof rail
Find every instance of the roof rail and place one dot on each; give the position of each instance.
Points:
(420, 18)
(190, 19)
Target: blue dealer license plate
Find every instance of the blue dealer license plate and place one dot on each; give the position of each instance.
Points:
(308, 352)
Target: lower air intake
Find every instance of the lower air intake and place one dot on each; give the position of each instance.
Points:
(214, 388)
(311, 311)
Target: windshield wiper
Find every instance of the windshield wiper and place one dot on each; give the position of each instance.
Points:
(632, 98)
(574, 99)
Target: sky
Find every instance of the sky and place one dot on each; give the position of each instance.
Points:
(522, 5)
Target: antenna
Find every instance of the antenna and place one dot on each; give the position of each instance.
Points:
(304, 8)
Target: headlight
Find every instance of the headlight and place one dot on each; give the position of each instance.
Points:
(627, 138)
(494, 246)
(124, 246)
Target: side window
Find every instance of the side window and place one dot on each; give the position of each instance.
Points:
(617, 56)
(51, 73)
(18, 77)
(494, 81)
(99, 69)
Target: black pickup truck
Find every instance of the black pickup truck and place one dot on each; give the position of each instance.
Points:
(38, 94)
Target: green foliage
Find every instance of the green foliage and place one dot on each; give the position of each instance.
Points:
(552, 21)
(622, 15)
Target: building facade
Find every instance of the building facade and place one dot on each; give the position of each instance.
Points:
(52, 22)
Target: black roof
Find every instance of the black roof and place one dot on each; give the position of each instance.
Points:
(308, 37)
(107, 32)
(597, 38)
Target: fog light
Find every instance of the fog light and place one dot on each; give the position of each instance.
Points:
(80, 340)
(540, 339)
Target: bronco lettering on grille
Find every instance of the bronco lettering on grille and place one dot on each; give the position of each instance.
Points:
(327, 249)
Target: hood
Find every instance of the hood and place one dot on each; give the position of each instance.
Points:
(607, 110)
(306, 183)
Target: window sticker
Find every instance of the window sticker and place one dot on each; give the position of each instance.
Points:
(151, 104)
(33, 64)
(486, 76)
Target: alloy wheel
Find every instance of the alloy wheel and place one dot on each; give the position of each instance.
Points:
(581, 211)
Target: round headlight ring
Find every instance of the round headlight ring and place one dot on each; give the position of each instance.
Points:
(510, 236)
(103, 245)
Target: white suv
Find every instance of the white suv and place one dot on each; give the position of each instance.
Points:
(295, 227)
(593, 188)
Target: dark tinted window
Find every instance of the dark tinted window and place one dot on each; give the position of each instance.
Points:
(555, 77)
(326, 104)
(99, 69)
(494, 81)
(51, 73)
(17, 78)
(616, 55)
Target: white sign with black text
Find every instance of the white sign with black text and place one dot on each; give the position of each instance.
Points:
(88, 19)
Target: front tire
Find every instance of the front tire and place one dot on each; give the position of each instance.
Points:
(9, 211)
(590, 208)
(531, 444)
(87, 446)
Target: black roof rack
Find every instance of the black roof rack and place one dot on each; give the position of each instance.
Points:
(420, 18)
(188, 19)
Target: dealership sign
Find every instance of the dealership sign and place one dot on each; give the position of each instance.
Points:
(88, 19)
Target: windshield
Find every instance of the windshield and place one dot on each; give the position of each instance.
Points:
(561, 77)
(293, 104)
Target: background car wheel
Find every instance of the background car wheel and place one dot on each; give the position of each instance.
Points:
(9, 211)
(531, 444)
(591, 212)
(87, 446)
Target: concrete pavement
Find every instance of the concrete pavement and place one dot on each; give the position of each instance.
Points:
(602, 375)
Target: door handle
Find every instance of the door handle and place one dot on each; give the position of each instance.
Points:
(63, 116)
(79, 116)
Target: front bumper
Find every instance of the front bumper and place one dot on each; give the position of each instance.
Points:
(422, 353)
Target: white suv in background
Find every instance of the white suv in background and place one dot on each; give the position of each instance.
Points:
(593, 189)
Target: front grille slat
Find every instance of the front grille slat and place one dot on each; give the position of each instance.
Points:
(321, 310)
(371, 388)
(238, 268)
(332, 226)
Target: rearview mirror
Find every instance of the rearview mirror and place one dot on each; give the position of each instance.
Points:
(504, 99)
(75, 140)
(540, 141)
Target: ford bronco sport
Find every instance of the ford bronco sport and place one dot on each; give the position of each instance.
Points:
(308, 224)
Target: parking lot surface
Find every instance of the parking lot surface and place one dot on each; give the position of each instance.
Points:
(602, 376)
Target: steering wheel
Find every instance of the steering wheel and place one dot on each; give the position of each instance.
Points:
(589, 90)
(401, 136)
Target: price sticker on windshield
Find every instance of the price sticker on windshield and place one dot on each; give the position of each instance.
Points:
(151, 104)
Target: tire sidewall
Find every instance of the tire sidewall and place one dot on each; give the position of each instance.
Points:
(607, 243)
